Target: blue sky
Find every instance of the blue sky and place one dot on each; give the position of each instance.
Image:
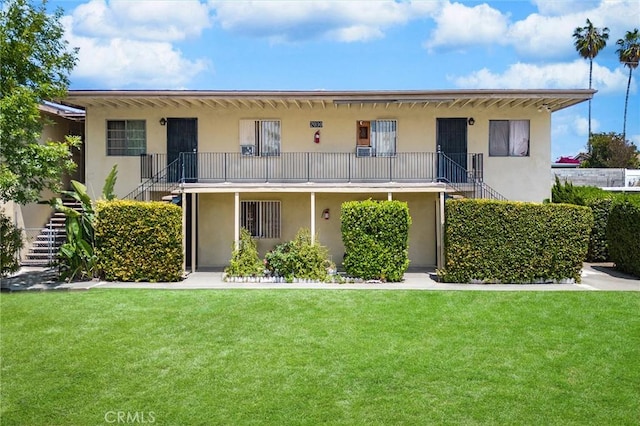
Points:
(359, 45)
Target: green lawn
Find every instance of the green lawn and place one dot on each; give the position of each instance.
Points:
(311, 357)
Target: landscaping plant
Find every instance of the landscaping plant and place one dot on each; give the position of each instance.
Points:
(139, 241)
(623, 234)
(514, 242)
(245, 261)
(300, 258)
(375, 235)
(77, 255)
(10, 243)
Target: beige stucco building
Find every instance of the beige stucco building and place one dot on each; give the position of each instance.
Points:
(276, 161)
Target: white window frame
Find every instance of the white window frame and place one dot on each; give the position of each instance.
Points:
(264, 135)
(262, 218)
(130, 145)
(507, 138)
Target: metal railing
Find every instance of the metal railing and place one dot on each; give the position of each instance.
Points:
(464, 172)
(291, 167)
(160, 184)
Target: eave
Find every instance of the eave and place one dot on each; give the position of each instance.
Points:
(547, 99)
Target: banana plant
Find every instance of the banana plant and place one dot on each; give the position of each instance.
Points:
(77, 254)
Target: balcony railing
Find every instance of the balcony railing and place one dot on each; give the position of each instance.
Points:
(319, 167)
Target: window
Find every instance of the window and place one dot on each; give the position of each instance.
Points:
(380, 135)
(260, 137)
(261, 218)
(126, 137)
(509, 138)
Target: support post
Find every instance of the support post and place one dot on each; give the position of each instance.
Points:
(236, 220)
(440, 230)
(194, 246)
(184, 231)
(313, 218)
(389, 196)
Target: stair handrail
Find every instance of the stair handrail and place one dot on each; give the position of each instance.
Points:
(160, 177)
(480, 188)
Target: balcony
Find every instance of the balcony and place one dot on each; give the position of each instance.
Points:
(317, 167)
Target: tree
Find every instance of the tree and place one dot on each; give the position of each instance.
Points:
(35, 66)
(10, 244)
(589, 41)
(629, 55)
(610, 150)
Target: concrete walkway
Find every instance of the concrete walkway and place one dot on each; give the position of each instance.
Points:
(595, 277)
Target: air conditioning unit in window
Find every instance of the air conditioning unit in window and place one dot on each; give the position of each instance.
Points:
(248, 150)
(363, 151)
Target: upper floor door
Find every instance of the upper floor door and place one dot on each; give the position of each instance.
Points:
(452, 139)
(182, 138)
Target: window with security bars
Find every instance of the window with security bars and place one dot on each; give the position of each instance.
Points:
(261, 218)
(126, 137)
(260, 137)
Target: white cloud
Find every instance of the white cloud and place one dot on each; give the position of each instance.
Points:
(168, 20)
(550, 76)
(562, 7)
(580, 125)
(458, 26)
(122, 54)
(547, 34)
(289, 21)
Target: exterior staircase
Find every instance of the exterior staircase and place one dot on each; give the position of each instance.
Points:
(44, 249)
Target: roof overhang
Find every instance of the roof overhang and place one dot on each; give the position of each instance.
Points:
(550, 100)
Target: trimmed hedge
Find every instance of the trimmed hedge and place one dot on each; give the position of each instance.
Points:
(600, 202)
(514, 242)
(139, 241)
(623, 234)
(375, 235)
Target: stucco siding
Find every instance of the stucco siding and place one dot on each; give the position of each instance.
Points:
(517, 178)
(216, 224)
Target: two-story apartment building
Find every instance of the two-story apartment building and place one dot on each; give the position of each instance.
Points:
(276, 161)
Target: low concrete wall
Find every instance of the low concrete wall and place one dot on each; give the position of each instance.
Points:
(590, 177)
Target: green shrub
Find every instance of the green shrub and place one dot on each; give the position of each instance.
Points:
(375, 235)
(300, 259)
(10, 244)
(600, 202)
(245, 261)
(623, 234)
(513, 242)
(598, 246)
(565, 193)
(139, 241)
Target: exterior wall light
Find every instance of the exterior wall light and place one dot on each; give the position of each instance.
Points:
(471, 121)
(163, 121)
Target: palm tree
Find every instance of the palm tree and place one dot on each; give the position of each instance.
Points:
(589, 41)
(629, 55)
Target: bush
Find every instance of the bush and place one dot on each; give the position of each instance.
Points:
(600, 202)
(300, 259)
(10, 244)
(245, 261)
(513, 242)
(375, 235)
(139, 241)
(623, 235)
(598, 246)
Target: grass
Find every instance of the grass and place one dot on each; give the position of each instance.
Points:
(312, 357)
